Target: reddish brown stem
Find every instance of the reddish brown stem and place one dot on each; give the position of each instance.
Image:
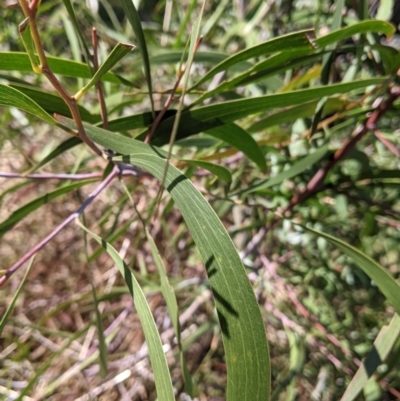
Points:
(316, 183)
(99, 86)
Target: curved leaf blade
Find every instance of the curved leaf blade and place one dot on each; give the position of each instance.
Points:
(242, 327)
(293, 171)
(382, 347)
(361, 27)
(389, 287)
(18, 61)
(13, 98)
(215, 115)
(117, 54)
(134, 19)
(242, 140)
(220, 171)
(290, 41)
(30, 207)
(159, 364)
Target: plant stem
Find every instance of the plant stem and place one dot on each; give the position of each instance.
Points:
(59, 228)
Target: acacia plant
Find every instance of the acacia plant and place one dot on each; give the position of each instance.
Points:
(248, 138)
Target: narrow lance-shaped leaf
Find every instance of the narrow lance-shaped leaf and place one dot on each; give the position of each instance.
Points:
(10, 307)
(287, 42)
(72, 16)
(220, 171)
(117, 54)
(26, 36)
(355, 29)
(245, 343)
(103, 355)
(16, 61)
(382, 347)
(215, 115)
(61, 148)
(158, 361)
(30, 207)
(172, 306)
(14, 98)
(246, 348)
(389, 287)
(134, 19)
(293, 171)
(53, 103)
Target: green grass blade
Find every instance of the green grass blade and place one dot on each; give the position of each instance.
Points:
(287, 42)
(10, 307)
(16, 61)
(293, 171)
(14, 98)
(30, 207)
(117, 54)
(389, 287)
(158, 361)
(243, 331)
(133, 18)
(44, 366)
(173, 311)
(383, 345)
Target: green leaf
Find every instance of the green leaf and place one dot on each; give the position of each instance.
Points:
(26, 36)
(242, 327)
(117, 54)
(72, 17)
(16, 61)
(382, 347)
(23, 211)
(10, 307)
(158, 361)
(172, 306)
(221, 172)
(287, 42)
(242, 140)
(207, 117)
(293, 171)
(103, 354)
(205, 57)
(291, 114)
(134, 19)
(358, 28)
(136, 121)
(13, 98)
(52, 103)
(63, 147)
(389, 287)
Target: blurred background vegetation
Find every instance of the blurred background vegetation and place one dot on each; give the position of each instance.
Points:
(322, 313)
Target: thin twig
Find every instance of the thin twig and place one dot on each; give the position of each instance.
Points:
(30, 11)
(316, 184)
(387, 143)
(99, 85)
(59, 228)
(72, 177)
